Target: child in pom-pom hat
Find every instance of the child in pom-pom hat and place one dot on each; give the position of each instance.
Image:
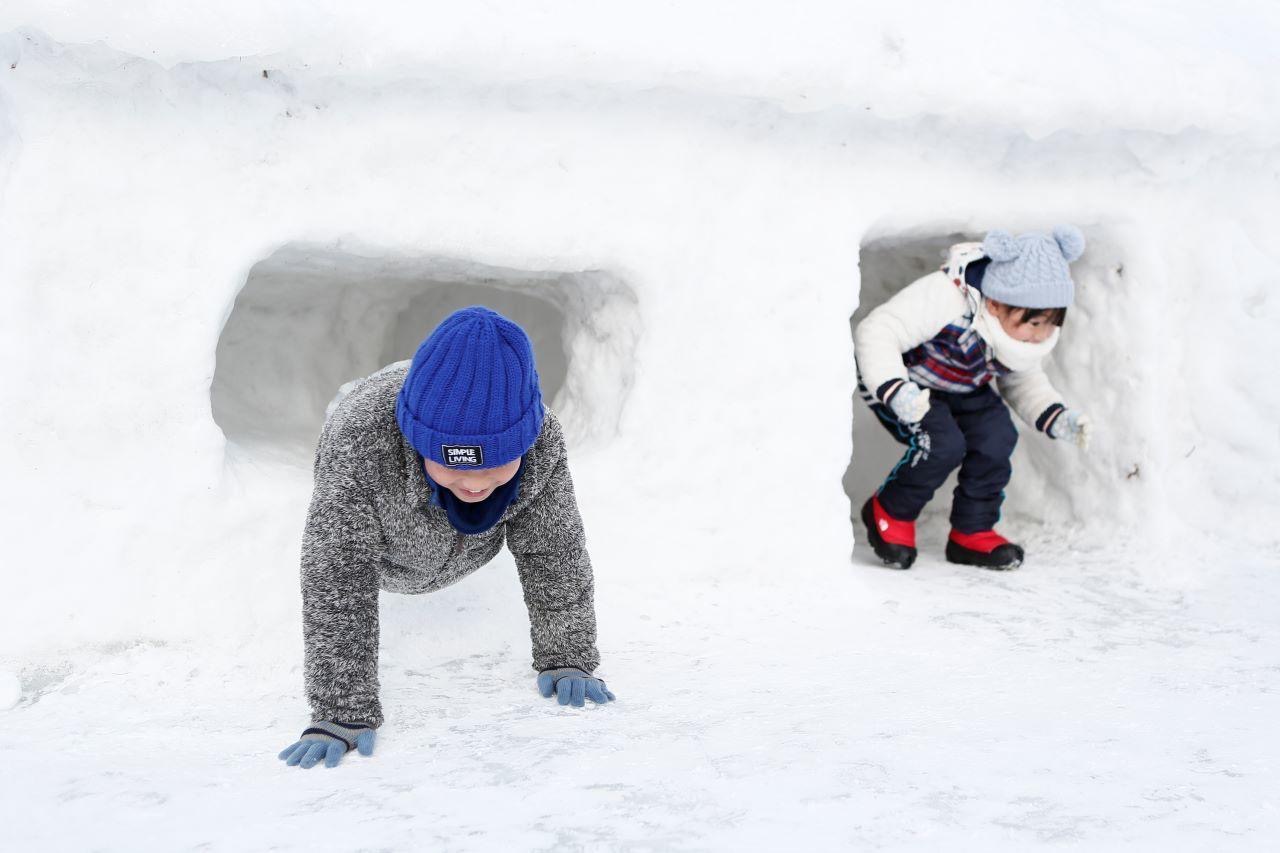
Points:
(420, 475)
(926, 361)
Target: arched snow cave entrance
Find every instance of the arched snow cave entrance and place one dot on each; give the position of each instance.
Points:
(1044, 484)
(309, 319)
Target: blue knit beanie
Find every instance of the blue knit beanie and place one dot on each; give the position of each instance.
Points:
(1030, 270)
(471, 397)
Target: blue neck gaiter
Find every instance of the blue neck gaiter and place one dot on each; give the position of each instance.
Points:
(472, 518)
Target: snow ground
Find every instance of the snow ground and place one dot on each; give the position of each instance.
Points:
(1081, 702)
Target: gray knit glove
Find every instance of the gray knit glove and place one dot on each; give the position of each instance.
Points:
(330, 741)
(572, 686)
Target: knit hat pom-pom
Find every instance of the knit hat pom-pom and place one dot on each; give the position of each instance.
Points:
(1070, 241)
(1000, 246)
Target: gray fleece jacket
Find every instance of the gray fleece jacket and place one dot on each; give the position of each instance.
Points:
(372, 525)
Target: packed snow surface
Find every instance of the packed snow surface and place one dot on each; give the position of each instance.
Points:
(1081, 702)
(211, 219)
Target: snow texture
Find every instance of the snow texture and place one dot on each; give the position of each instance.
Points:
(211, 219)
(10, 689)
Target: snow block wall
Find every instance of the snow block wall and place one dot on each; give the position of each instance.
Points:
(195, 255)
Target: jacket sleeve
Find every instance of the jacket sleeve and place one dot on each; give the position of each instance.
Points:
(549, 546)
(912, 316)
(340, 548)
(1032, 396)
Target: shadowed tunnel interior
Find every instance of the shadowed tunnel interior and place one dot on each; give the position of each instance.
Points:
(309, 319)
(886, 265)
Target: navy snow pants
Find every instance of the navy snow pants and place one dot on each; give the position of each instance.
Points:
(973, 431)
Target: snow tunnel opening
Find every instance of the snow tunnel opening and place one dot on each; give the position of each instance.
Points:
(309, 319)
(1046, 483)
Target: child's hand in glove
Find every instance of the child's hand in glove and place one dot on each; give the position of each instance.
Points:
(330, 741)
(910, 403)
(1072, 426)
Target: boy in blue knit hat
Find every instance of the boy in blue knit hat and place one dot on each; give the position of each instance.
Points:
(926, 361)
(421, 474)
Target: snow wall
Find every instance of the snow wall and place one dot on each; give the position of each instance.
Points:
(195, 254)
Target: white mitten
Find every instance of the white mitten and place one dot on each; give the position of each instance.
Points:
(1074, 427)
(911, 403)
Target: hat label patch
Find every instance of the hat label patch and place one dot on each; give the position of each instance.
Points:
(462, 455)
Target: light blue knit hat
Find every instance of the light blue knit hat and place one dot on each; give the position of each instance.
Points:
(471, 397)
(1030, 270)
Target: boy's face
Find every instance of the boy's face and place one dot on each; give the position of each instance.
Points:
(1035, 331)
(471, 485)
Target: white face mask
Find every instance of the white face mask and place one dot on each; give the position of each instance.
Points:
(1012, 353)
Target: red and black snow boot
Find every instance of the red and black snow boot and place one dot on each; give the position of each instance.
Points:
(985, 548)
(893, 541)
